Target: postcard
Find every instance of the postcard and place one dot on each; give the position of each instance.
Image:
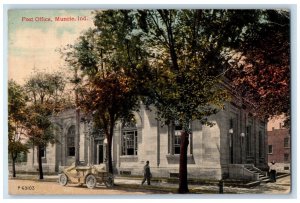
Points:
(114, 102)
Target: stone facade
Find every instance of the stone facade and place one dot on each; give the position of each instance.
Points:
(236, 138)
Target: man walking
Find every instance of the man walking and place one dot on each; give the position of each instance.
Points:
(147, 173)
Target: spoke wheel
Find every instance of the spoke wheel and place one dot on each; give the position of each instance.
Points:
(91, 181)
(63, 179)
(109, 181)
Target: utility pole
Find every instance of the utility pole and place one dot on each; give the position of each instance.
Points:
(77, 116)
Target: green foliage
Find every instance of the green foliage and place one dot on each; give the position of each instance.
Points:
(16, 115)
(105, 58)
(16, 100)
(46, 89)
(45, 98)
(185, 57)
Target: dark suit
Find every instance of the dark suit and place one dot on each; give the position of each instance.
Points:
(147, 174)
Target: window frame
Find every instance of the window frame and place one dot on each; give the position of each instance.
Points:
(269, 149)
(249, 140)
(286, 157)
(129, 139)
(261, 150)
(174, 140)
(71, 141)
(286, 142)
(43, 152)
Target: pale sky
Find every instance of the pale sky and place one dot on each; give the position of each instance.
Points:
(34, 43)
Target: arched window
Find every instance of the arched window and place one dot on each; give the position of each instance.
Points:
(129, 138)
(71, 141)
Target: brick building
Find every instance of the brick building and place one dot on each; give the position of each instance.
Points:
(279, 145)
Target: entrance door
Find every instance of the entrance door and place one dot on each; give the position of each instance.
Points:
(100, 153)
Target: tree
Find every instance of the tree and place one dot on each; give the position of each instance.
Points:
(262, 69)
(44, 91)
(112, 100)
(104, 57)
(187, 57)
(169, 58)
(16, 117)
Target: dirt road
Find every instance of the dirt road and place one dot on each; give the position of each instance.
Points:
(132, 187)
(31, 187)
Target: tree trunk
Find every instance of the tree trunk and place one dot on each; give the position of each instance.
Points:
(109, 157)
(183, 184)
(14, 164)
(109, 143)
(39, 156)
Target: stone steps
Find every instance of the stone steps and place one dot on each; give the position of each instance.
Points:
(262, 177)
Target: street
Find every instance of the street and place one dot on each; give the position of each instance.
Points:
(133, 187)
(32, 187)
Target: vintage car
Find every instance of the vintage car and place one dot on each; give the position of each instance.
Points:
(89, 175)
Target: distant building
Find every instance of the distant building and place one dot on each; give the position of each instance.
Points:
(279, 145)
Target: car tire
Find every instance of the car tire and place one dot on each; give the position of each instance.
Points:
(91, 181)
(109, 182)
(63, 179)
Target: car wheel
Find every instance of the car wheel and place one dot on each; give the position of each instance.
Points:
(109, 181)
(91, 181)
(63, 179)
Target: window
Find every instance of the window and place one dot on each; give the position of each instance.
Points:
(177, 135)
(71, 141)
(286, 142)
(261, 144)
(22, 157)
(175, 129)
(129, 138)
(270, 149)
(231, 123)
(286, 157)
(248, 139)
(43, 152)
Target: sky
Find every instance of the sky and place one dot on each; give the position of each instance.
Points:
(32, 45)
